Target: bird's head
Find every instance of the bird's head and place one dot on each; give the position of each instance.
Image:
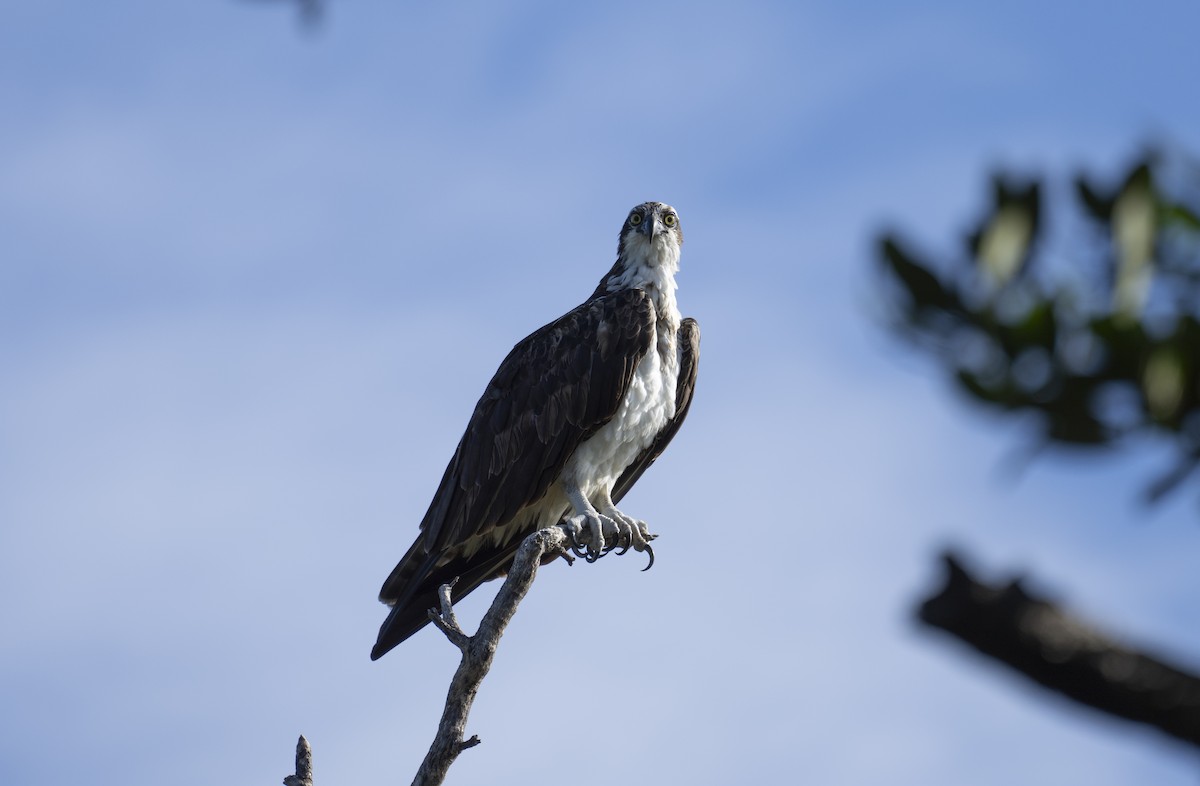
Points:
(651, 236)
(648, 252)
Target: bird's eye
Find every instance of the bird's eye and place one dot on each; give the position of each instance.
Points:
(670, 220)
(635, 219)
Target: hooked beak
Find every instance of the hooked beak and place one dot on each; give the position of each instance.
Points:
(652, 227)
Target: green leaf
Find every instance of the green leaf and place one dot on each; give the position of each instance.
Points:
(1098, 207)
(924, 287)
(1175, 214)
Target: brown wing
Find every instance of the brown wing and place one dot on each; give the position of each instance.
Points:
(553, 391)
(689, 359)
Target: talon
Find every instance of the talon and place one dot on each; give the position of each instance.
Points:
(625, 542)
(593, 534)
(577, 547)
(649, 551)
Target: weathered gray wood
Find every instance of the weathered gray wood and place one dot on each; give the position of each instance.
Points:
(479, 650)
(303, 775)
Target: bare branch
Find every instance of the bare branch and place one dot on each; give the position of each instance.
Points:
(477, 654)
(1064, 654)
(457, 636)
(479, 650)
(303, 776)
(446, 621)
(448, 603)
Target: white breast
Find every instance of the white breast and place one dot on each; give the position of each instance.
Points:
(647, 407)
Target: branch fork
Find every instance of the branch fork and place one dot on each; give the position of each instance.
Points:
(479, 650)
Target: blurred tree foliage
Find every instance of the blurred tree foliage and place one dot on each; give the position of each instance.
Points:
(309, 12)
(1093, 329)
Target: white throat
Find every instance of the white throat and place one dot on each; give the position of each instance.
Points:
(651, 266)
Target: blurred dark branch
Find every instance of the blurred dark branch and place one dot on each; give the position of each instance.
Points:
(1064, 654)
(309, 12)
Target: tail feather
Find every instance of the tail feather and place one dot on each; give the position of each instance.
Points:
(404, 577)
(412, 588)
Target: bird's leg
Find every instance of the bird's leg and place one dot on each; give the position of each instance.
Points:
(631, 532)
(587, 529)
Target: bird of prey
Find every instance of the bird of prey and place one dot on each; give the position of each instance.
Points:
(572, 418)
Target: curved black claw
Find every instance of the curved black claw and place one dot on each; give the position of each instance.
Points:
(577, 548)
(624, 541)
(649, 551)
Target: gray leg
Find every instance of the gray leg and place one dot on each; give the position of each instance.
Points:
(588, 528)
(631, 532)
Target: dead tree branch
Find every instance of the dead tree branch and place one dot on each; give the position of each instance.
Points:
(1064, 654)
(303, 776)
(479, 650)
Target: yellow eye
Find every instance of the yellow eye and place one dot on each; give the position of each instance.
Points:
(670, 220)
(635, 219)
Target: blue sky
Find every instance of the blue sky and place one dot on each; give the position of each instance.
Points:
(252, 281)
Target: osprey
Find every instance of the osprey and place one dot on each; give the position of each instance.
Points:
(572, 418)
